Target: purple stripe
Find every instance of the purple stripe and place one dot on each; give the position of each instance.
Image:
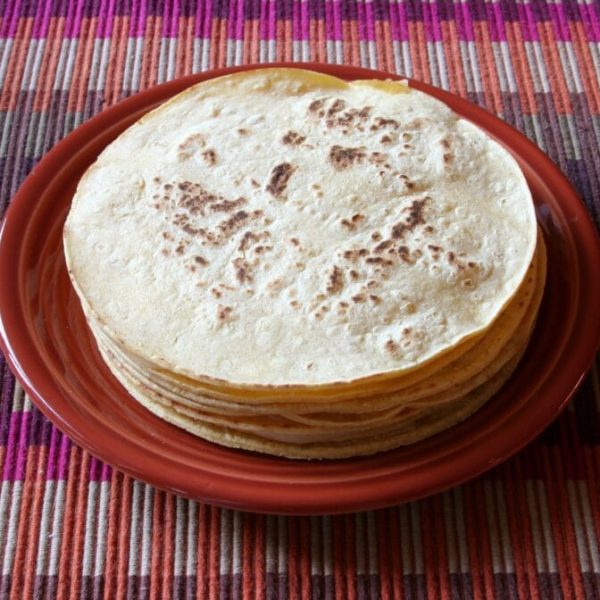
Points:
(272, 21)
(203, 20)
(16, 452)
(380, 9)
(284, 9)
(329, 31)
(316, 9)
(170, 19)
(264, 26)
(231, 21)
(41, 23)
(11, 20)
(52, 463)
(528, 27)
(464, 22)
(445, 9)
(220, 9)
(414, 11)
(99, 471)
(304, 21)
(64, 456)
(251, 9)
(539, 10)
(559, 22)
(8, 386)
(510, 10)
(496, 22)
(188, 8)
(240, 21)
(338, 32)
(110, 20)
(73, 21)
(296, 25)
(433, 32)
(591, 22)
(370, 18)
(399, 23)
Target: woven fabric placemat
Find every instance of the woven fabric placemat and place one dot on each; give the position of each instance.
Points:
(71, 527)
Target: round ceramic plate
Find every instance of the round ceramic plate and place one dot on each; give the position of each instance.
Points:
(49, 347)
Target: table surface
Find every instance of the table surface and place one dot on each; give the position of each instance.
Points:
(71, 527)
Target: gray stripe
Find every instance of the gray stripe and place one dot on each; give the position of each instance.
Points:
(89, 545)
(6, 46)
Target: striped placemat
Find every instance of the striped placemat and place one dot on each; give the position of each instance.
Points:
(71, 527)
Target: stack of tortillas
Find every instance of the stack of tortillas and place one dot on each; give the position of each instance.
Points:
(284, 262)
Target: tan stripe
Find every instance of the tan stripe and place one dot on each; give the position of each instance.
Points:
(89, 546)
(192, 538)
(41, 563)
(12, 491)
(147, 521)
(226, 535)
(540, 527)
(180, 538)
(133, 565)
(101, 528)
(236, 562)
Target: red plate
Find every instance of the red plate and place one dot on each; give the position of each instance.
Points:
(51, 350)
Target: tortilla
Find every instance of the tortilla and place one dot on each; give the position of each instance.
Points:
(275, 228)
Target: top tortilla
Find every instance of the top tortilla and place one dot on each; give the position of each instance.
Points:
(283, 228)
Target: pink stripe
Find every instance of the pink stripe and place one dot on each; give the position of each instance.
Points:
(527, 20)
(240, 21)
(16, 456)
(208, 19)
(497, 29)
(433, 32)
(140, 29)
(64, 458)
(399, 23)
(9, 26)
(105, 19)
(370, 16)
(296, 26)
(464, 22)
(51, 466)
(264, 14)
(337, 21)
(304, 21)
(272, 35)
(590, 22)
(559, 21)
(170, 19)
(231, 21)
(329, 31)
(42, 22)
(99, 471)
(74, 20)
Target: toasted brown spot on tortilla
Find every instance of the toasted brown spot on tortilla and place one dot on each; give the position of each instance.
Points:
(280, 175)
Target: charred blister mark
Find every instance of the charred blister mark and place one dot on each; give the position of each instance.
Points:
(279, 178)
(293, 138)
(342, 158)
(335, 281)
(190, 146)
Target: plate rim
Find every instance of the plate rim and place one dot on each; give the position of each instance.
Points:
(12, 340)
